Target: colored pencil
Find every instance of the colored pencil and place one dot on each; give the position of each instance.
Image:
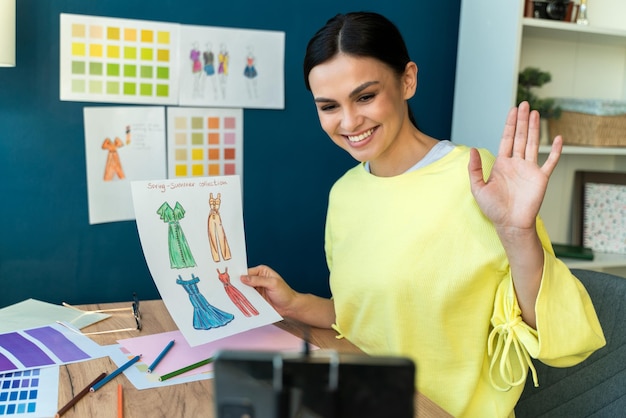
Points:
(115, 373)
(120, 401)
(186, 369)
(79, 395)
(160, 356)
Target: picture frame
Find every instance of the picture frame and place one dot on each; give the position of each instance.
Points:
(599, 211)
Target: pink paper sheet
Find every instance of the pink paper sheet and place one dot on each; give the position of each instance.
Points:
(268, 337)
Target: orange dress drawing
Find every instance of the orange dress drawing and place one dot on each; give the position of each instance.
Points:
(113, 165)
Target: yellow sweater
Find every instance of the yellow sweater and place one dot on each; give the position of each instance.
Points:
(417, 270)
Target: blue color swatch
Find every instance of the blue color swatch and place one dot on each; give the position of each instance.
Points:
(18, 392)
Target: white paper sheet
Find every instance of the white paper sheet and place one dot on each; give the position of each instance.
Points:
(121, 144)
(192, 235)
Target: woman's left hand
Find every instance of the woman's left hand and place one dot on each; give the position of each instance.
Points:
(512, 195)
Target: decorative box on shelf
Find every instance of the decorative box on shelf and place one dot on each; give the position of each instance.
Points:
(595, 123)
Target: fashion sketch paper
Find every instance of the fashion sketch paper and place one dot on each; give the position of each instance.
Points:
(192, 235)
(228, 67)
(121, 144)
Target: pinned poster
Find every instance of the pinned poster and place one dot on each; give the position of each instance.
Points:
(193, 240)
(230, 67)
(204, 142)
(121, 144)
(115, 60)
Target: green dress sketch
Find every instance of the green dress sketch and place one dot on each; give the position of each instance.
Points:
(180, 254)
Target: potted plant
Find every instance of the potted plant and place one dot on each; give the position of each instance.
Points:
(529, 79)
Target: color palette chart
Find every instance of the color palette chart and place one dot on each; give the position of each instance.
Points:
(118, 60)
(204, 142)
(30, 393)
(44, 346)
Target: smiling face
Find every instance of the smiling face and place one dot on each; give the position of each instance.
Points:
(361, 104)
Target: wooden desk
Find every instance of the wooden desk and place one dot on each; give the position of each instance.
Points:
(184, 400)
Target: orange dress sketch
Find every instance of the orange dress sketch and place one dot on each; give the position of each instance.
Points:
(113, 164)
(235, 295)
(217, 237)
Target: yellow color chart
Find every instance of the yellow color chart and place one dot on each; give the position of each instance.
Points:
(118, 60)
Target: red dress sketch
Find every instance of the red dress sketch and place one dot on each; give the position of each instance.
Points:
(235, 295)
(113, 165)
(217, 237)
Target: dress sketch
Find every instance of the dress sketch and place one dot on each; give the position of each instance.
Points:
(113, 165)
(235, 295)
(196, 69)
(205, 315)
(250, 73)
(222, 69)
(217, 236)
(180, 254)
(209, 67)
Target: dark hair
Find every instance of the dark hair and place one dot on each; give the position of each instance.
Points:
(361, 34)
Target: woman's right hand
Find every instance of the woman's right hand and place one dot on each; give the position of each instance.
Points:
(272, 287)
(304, 307)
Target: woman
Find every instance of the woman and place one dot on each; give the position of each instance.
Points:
(435, 250)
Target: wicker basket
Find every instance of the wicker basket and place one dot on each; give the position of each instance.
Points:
(596, 125)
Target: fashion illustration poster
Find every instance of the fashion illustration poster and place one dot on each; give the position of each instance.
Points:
(227, 67)
(121, 144)
(193, 239)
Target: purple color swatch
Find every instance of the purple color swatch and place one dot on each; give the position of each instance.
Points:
(24, 350)
(58, 343)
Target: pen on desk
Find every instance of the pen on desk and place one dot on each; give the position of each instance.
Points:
(120, 401)
(186, 369)
(160, 356)
(115, 373)
(79, 395)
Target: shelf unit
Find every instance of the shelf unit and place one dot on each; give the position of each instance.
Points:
(587, 62)
(600, 261)
(570, 32)
(578, 150)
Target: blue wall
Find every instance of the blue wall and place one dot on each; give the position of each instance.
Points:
(48, 250)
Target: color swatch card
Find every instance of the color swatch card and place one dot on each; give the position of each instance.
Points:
(29, 393)
(44, 346)
(204, 142)
(192, 236)
(118, 60)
